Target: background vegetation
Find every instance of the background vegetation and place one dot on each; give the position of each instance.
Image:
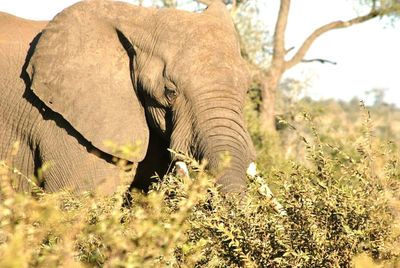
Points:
(338, 182)
(334, 166)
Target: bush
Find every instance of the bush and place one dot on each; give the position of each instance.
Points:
(340, 202)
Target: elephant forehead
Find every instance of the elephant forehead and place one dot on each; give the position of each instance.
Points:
(177, 29)
(211, 70)
(205, 51)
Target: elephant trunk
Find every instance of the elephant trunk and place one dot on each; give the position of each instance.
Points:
(223, 140)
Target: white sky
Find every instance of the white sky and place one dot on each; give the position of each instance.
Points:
(368, 54)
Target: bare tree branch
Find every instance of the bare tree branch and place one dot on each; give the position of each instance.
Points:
(319, 60)
(373, 5)
(328, 27)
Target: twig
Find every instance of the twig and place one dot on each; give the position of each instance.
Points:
(319, 60)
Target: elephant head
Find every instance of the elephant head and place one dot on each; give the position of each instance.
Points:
(117, 72)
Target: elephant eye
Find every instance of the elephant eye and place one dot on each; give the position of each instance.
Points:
(171, 94)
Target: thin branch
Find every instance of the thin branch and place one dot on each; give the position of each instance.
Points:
(319, 60)
(328, 27)
(289, 49)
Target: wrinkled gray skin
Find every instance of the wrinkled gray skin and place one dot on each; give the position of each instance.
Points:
(112, 71)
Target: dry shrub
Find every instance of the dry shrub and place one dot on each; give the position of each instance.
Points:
(340, 202)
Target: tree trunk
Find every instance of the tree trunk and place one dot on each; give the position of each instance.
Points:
(268, 86)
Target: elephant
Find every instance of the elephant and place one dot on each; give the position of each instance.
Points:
(112, 71)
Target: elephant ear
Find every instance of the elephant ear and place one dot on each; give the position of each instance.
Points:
(81, 69)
